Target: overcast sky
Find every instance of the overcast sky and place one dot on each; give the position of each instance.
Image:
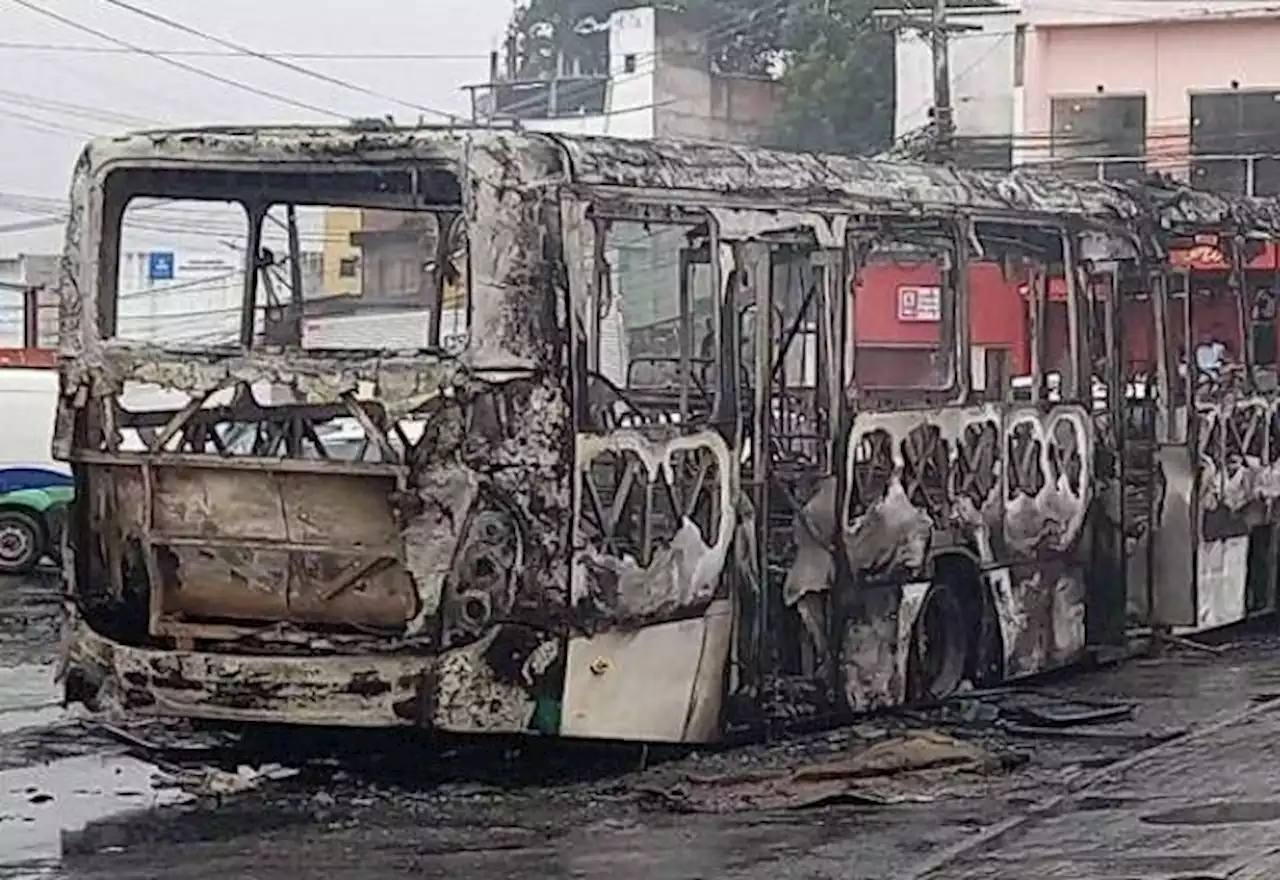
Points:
(55, 99)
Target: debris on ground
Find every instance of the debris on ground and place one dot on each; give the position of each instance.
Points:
(1034, 709)
(155, 737)
(1026, 713)
(215, 783)
(898, 769)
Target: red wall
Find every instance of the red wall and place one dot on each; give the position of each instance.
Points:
(997, 312)
(892, 352)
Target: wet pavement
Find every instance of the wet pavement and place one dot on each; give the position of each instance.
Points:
(1187, 785)
(1207, 805)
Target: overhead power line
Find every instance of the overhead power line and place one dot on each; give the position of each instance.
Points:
(29, 225)
(174, 62)
(79, 49)
(68, 108)
(277, 61)
(44, 124)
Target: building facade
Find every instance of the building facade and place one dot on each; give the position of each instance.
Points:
(644, 73)
(26, 283)
(1116, 88)
(1188, 90)
(1112, 88)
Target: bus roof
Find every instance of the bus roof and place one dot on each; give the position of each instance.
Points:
(714, 170)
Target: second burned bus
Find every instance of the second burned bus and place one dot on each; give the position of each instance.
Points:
(647, 484)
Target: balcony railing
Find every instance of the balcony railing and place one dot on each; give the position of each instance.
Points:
(1256, 174)
(539, 99)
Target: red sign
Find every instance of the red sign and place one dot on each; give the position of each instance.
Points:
(1199, 256)
(41, 358)
(1209, 257)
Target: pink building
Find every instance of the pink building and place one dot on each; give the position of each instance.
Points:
(1118, 87)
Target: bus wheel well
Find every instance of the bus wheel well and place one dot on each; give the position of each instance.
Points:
(1262, 580)
(963, 574)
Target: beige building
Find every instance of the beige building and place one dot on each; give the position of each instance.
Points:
(341, 259)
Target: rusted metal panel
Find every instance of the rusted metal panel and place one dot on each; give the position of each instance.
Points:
(1233, 494)
(367, 691)
(661, 683)
(856, 183)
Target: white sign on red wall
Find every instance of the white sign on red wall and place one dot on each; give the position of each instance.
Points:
(919, 303)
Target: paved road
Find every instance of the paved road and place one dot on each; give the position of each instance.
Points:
(73, 804)
(1205, 806)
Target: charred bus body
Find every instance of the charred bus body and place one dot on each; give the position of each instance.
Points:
(647, 512)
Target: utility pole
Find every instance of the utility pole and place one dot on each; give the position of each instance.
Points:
(944, 129)
(939, 29)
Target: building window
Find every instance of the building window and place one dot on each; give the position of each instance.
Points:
(1019, 56)
(1226, 129)
(1095, 135)
(629, 63)
(347, 267)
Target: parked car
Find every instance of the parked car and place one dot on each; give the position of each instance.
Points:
(33, 508)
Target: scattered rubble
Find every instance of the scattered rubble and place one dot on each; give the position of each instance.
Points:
(212, 782)
(896, 770)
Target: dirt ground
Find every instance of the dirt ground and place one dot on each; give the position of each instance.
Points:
(879, 799)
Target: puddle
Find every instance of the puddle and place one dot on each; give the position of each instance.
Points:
(28, 697)
(39, 804)
(1227, 813)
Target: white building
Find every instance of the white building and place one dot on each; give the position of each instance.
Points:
(17, 275)
(180, 294)
(648, 76)
(1113, 88)
(982, 58)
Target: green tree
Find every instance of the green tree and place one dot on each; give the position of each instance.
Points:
(838, 75)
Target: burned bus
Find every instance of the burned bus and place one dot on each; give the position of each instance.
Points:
(646, 484)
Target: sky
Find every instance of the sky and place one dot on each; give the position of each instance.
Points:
(82, 85)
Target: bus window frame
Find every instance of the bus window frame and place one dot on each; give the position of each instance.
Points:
(603, 214)
(951, 236)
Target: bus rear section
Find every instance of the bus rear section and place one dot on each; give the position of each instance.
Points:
(332, 531)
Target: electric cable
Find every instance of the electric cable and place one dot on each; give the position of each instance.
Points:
(52, 126)
(76, 49)
(180, 65)
(69, 108)
(279, 62)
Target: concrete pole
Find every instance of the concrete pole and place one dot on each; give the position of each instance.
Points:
(943, 123)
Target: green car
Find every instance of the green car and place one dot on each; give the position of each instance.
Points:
(34, 501)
